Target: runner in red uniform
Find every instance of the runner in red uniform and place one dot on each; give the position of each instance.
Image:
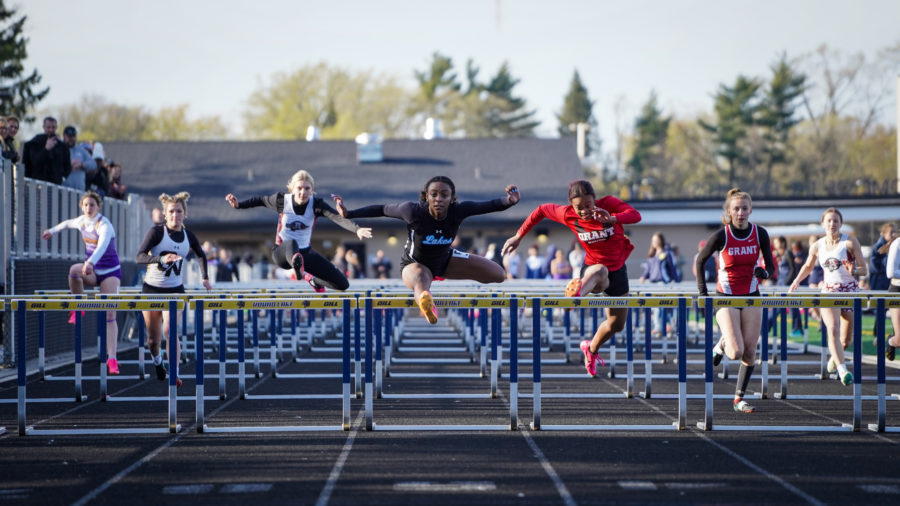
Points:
(739, 245)
(597, 223)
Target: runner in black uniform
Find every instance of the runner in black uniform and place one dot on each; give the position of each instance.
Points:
(295, 224)
(164, 249)
(432, 224)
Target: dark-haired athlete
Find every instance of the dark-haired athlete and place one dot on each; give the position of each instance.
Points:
(432, 224)
(597, 223)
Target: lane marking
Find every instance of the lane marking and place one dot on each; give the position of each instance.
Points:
(93, 494)
(197, 489)
(325, 495)
(875, 488)
(637, 485)
(245, 488)
(740, 458)
(453, 486)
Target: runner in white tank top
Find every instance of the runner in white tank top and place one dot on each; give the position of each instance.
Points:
(842, 260)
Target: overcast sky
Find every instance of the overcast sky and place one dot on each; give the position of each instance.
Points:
(212, 54)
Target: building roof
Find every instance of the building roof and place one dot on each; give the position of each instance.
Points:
(480, 169)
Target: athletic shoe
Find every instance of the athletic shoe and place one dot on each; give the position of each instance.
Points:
(297, 264)
(797, 333)
(426, 304)
(591, 359)
(72, 317)
(742, 406)
(573, 288)
(311, 280)
(847, 378)
(831, 366)
(889, 351)
(161, 371)
(112, 365)
(178, 382)
(717, 354)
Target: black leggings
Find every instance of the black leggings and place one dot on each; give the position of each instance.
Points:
(324, 272)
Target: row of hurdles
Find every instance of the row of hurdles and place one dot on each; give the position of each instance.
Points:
(381, 314)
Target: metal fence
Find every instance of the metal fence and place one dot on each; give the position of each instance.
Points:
(31, 206)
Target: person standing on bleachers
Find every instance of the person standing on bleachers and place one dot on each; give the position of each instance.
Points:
(45, 156)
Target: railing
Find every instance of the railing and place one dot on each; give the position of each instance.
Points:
(31, 206)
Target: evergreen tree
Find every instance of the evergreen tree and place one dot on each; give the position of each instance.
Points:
(435, 82)
(778, 111)
(509, 117)
(736, 109)
(18, 95)
(651, 130)
(578, 108)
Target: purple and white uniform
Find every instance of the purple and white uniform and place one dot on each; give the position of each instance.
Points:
(99, 243)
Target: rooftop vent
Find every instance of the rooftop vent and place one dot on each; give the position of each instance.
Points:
(312, 133)
(433, 129)
(368, 148)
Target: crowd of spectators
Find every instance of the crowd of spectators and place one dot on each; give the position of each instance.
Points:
(62, 161)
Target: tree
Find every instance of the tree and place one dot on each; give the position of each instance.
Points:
(648, 145)
(342, 103)
(436, 83)
(509, 117)
(778, 111)
(18, 91)
(736, 109)
(99, 119)
(578, 108)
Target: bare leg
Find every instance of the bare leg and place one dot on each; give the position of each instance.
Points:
(614, 322)
(894, 340)
(153, 321)
(846, 329)
(111, 285)
(417, 278)
(76, 281)
(831, 317)
(729, 320)
(751, 323)
(474, 267)
(595, 279)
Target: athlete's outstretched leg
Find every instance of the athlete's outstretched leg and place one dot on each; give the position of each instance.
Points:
(418, 278)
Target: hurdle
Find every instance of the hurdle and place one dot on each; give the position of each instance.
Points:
(21, 306)
(881, 339)
(778, 302)
(346, 305)
(608, 302)
(372, 304)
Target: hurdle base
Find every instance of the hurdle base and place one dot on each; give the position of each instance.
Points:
(505, 428)
(31, 431)
(874, 428)
(286, 428)
(779, 428)
(673, 426)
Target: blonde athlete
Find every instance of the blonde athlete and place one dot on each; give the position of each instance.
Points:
(164, 249)
(739, 245)
(842, 260)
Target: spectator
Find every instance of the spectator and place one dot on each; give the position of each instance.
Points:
(878, 279)
(576, 259)
(511, 263)
(817, 274)
(534, 263)
(80, 159)
(787, 272)
(5, 150)
(709, 268)
(381, 267)
(492, 254)
(227, 270)
(45, 157)
(100, 178)
(340, 258)
(559, 266)
(354, 268)
(548, 261)
(9, 138)
(157, 216)
(117, 190)
(660, 265)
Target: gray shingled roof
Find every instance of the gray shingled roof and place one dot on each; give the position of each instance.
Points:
(542, 168)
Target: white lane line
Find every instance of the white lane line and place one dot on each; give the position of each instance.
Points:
(875, 488)
(637, 485)
(245, 488)
(740, 458)
(452, 486)
(90, 496)
(196, 489)
(561, 488)
(325, 495)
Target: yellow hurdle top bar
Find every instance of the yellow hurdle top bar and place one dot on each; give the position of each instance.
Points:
(274, 303)
(97, 305)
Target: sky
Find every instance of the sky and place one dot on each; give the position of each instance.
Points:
(213, 54)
